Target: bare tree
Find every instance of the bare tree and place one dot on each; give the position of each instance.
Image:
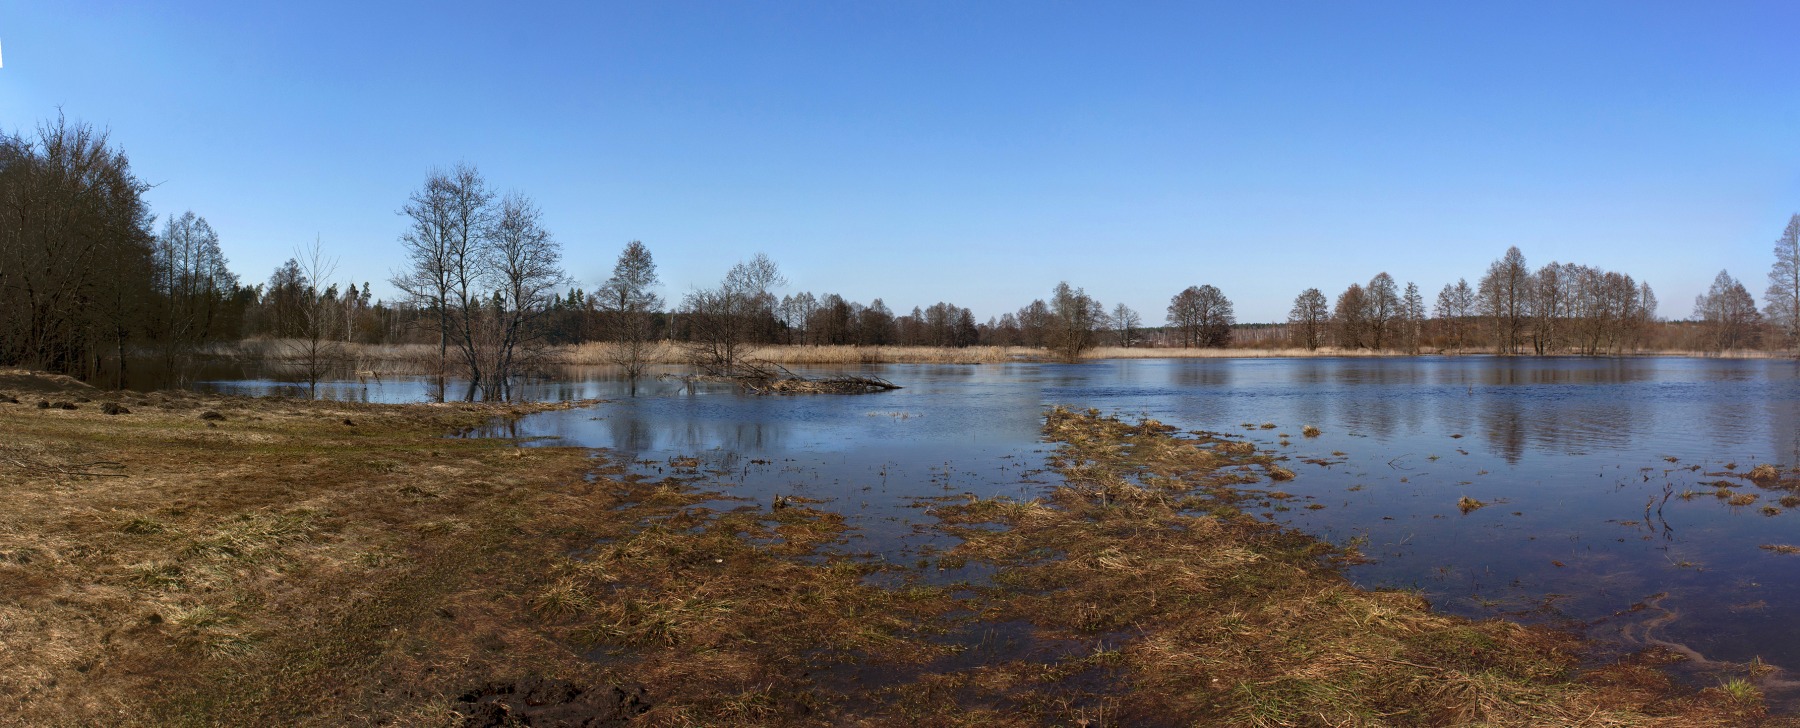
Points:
(725, 319)
(1202, 316)
(1350, 318)
(75, 249)
(1781, 303)
(315, 346)
(1075, 318)
(1184, 316)
(524, 263)
(445, 240)
(1126, 324)
(192, 282)
(1034, 323)
(1505, 291)
(1729, 314)
(1548, 305)
(1308, 319)
(1455, 311)
(631, 305)
(1412, 318)
(1381, 306)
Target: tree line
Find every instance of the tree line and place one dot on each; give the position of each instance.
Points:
(92, 285)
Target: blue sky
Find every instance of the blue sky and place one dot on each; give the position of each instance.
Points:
(975, 152)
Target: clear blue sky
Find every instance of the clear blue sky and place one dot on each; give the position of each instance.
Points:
(975, 152)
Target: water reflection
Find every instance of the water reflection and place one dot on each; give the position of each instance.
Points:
(1586, 515)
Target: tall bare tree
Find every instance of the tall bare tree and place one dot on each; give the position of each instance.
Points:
(1381, 307)
(1308, 319)
(1505, 292)
(1202, 316)
(523, 262)
(315, 347)
(1455, 311)
(1412, 318)
(631, 304)
(193, 285)
(75, 250)
(445, 241)
(1350, 318)
(1127, 325)
(1075, 320)
(1729, 314)
(1548, 305)
(724, 320)
(1781, 303)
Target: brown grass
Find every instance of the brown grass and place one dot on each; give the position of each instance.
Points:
(282, 566)
(273, 565)
(1209, 616)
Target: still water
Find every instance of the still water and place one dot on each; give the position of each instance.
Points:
(1583, 464)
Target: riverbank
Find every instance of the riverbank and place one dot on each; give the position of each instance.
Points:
(277, 564)
(370, 360)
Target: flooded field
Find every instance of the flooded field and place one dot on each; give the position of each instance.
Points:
(1611, 496)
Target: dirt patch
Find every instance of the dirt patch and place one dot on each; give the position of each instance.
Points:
(549, 702)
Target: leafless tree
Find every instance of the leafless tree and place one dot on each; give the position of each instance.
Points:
(1350, 318)
(193, 283)
(1202, 316)
(725, 319)
(1504, 300)
(1729, 314)
(875, 324)
(1455, 311)
(449, 218)
(1075, 320)
(523, 262)
(1126, 325)
(631, 305)
(1781, 303)
(1381, 306)
(75, 250)
(1034, 323)
(1548, 305)
(1308, 319)
(1412, 318)
(315, 347)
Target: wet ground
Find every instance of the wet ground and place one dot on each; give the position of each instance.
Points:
(1598, 481)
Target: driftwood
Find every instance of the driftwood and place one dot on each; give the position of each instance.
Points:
(774, 379)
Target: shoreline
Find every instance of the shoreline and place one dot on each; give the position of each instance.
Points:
(421, 359)
(297, 561)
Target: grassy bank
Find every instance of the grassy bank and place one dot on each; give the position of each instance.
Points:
(256, 562)
(280, 562)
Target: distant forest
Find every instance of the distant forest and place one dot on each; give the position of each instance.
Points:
(92, 284)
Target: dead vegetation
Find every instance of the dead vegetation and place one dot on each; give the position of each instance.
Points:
(271, 567)
(759, 377)
(321, 563)
(1212, 617)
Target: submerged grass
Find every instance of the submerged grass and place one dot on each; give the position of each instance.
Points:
(1214, 617)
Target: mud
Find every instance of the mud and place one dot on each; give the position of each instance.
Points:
(535, 701)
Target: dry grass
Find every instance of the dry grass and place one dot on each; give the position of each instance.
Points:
(264, 568)
(1212, 617)
(280, 566)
